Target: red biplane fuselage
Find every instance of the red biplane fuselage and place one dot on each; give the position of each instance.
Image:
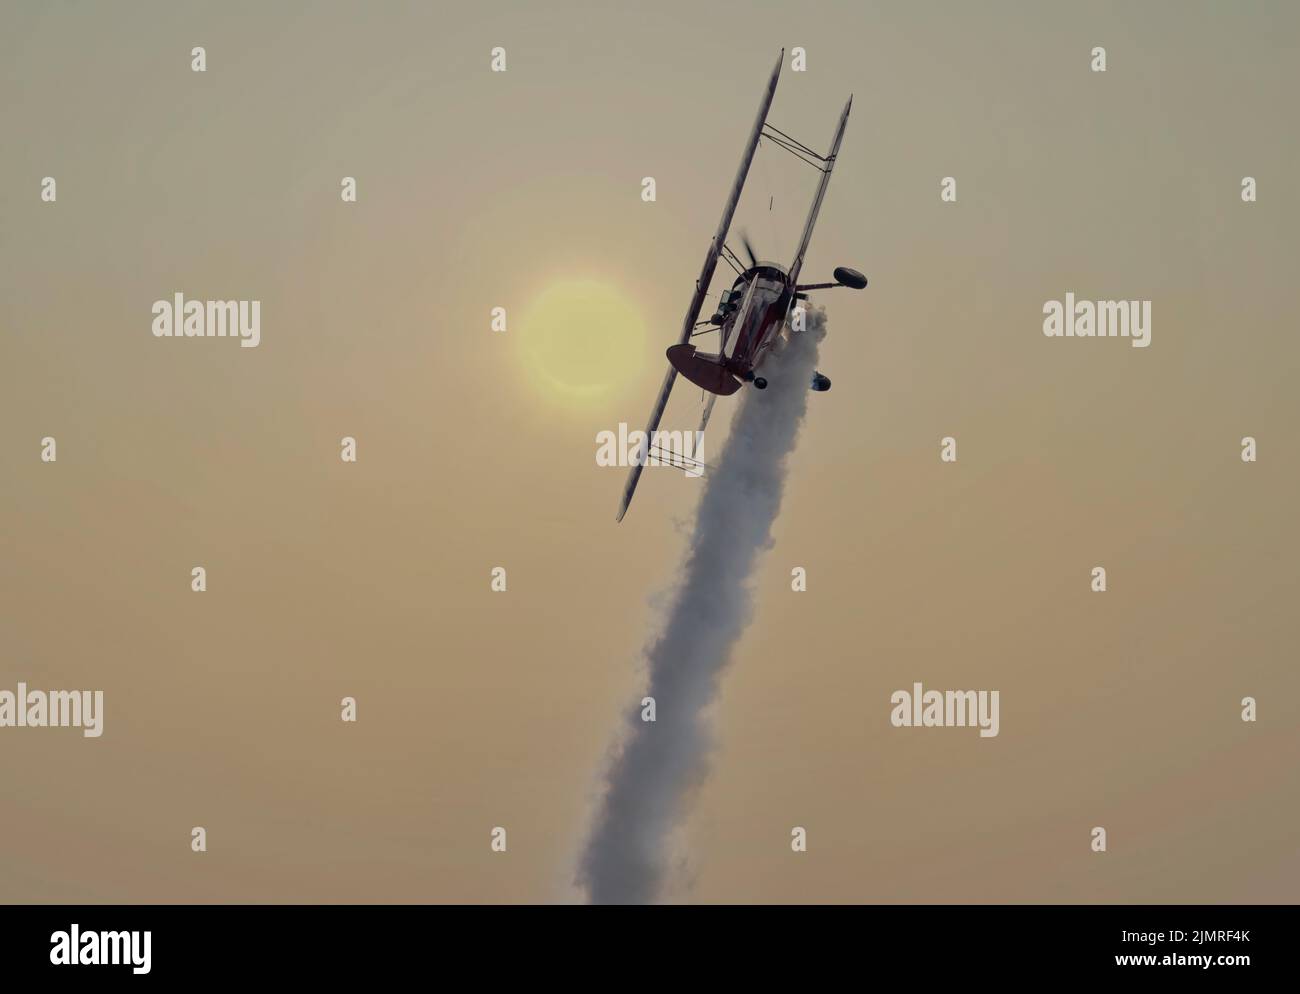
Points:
(750, 316)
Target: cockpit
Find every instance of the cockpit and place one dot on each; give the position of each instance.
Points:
(768, 275)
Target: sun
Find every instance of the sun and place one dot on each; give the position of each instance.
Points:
(581, 340)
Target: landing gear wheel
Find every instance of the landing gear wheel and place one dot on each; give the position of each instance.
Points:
(760, 383)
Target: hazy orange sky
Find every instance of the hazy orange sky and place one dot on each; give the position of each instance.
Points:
(479, 190)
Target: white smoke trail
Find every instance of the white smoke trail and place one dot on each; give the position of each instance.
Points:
(626, 856)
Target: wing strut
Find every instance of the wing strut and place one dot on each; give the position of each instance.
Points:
(706, 277)
(821, 193)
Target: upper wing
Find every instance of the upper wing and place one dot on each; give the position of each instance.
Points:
(706, 277)
(817, 199)
(720, 237)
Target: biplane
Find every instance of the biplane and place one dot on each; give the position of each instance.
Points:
(756, 309)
